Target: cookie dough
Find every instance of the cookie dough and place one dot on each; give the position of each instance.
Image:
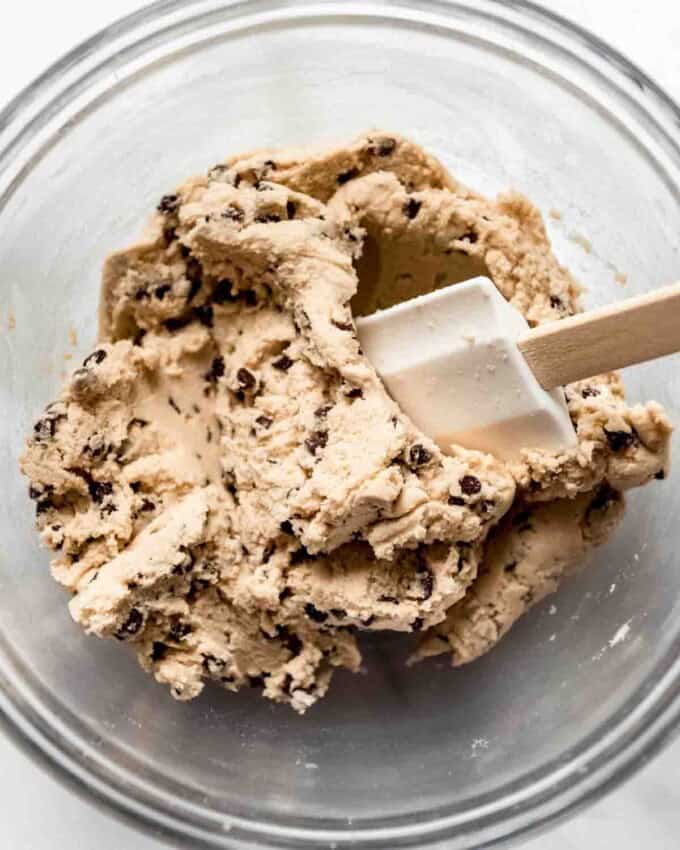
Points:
(228, 487)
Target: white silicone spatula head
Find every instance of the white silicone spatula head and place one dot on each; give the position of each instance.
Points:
(450, 359)
(466, 368)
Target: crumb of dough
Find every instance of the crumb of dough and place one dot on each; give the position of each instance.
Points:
(579, 239)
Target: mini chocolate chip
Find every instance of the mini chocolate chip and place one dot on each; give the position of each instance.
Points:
(418, 455)
(269, 550)
(44, 429)
(161, 291)
(204, 314)
(216, 370)
(412, 208)
(269, 217)
(232, 213)
(198, 585)
(179, 630)
(158, 651)
(456, 500)
(368, 621)
(427, 580)
(588, 392)
(173, 404)
(470, 485)
(43, 505)
(99, 489)
(135, 486)
(229, 483)
(291, 209)
(250, 297)
(510, 568)
(168, 204)
(417, 624)
(299, 556)
(96, 357)
(348, 233)
(140, 294)
(264, 422)
(286, 593)
(556, 302)
(213, 665)
(283, 364)
(660, 475)
(147, 505)
(323, 411)
(286, 527)
(195, 285)
(338, 613)
(355, 392)
(604, 496)
(316, 440)
(194, 274)
(246, 378)
(223, 291)
(132, 625)
(345, 176)
(314, 614)
(98, 451)
(107, 510)
(343, 326)
(176, 323)
(619, 440)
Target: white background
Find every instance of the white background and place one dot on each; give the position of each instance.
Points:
(37, 813)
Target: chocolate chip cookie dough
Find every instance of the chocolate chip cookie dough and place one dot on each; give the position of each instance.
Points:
(228, 487)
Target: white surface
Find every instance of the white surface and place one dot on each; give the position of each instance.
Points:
(466, 348)
(37, 813)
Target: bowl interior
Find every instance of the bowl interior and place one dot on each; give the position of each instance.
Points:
(397, 744)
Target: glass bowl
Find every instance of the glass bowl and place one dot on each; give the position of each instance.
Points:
(586, 687)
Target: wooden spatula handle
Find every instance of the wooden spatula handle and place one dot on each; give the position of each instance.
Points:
(612, 337)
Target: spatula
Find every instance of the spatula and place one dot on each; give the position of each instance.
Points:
(466, 368)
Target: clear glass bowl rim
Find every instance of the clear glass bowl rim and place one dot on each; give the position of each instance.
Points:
(621, 746)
